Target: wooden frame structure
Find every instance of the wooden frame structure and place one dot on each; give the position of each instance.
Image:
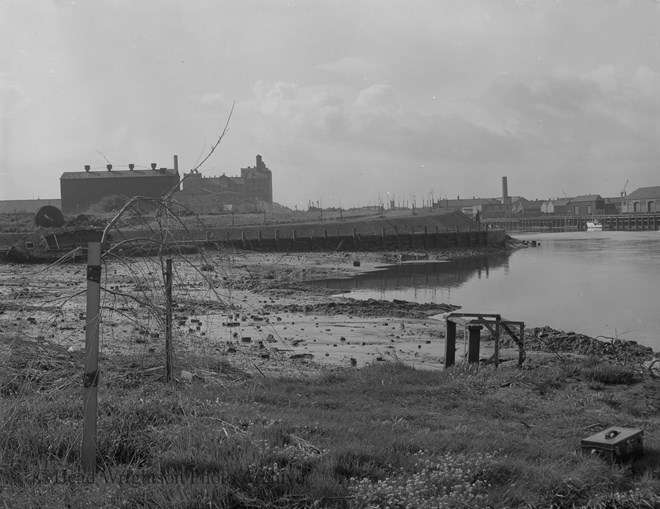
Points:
(474, 323)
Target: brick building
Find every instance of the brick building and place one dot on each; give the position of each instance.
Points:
(80, 190)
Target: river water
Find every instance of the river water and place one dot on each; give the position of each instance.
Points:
(594, 283)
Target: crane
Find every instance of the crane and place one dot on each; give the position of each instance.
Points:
(623, 191)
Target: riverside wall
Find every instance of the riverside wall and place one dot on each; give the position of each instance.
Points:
(297, 240)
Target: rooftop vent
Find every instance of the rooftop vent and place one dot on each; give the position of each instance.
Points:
(131, 166)
(109, 167)
(87, 167)
(153, 166)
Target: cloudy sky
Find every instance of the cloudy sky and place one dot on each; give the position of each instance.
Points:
(346, 100)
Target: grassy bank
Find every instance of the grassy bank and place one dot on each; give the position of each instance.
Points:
(384, 435)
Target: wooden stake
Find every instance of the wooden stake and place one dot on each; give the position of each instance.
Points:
(168, 321)
(91, 376)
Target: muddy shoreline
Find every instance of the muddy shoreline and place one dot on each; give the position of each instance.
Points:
(259, 312)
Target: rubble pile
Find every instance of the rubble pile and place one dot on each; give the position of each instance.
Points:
(549, 339)
(366, 308)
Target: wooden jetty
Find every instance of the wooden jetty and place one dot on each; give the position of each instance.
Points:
(614, 222)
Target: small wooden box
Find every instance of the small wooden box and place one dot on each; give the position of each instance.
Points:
(615, 444)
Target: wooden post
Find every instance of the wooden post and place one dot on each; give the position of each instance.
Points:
(396, 234)
(261, 239)
(521, 345)
(91, 376)
(168, 322)
(382, 238)
(354, 239)
(450, 344)
(277, 240)
(496, 354)
(243, 239)
(474, 340)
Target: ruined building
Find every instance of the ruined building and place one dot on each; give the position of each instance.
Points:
(249, 192)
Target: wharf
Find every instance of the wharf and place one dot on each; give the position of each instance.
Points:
(613, 222)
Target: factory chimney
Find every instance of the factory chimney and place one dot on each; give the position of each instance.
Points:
(176, 164)
(505, 192)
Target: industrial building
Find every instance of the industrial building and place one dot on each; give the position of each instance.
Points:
(249, 192)
(80, 190)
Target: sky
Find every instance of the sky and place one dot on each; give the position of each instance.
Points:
(349, 102)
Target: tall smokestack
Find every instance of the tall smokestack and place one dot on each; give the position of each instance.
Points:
(176, 164)
(505, 192)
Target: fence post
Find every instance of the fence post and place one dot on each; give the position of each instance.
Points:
(168, 321)
(91, 376)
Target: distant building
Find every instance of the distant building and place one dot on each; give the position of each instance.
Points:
(80, 190)
(468, 206)
(557, 207)
(215, 194)
(587, 205)
(30, 206)
(644, 199)
(524, 207)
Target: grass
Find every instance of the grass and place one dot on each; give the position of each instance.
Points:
(386, 435)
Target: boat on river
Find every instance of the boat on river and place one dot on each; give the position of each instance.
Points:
(594, 226)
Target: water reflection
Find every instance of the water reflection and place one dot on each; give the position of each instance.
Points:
(422, 275)
(600, 284)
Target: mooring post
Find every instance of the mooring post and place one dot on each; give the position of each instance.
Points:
(169, 354)
(91, 376)
(450, 344)
(474, 338)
